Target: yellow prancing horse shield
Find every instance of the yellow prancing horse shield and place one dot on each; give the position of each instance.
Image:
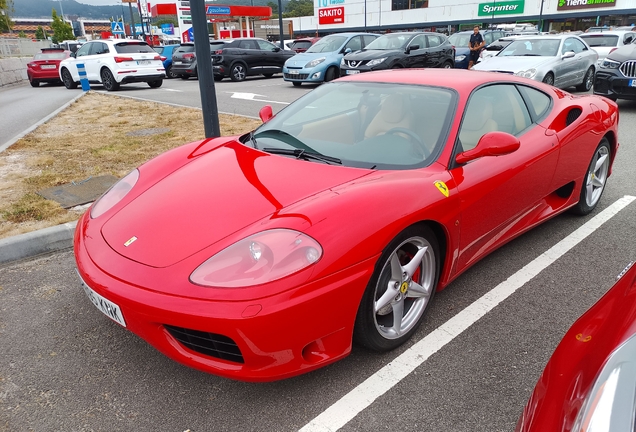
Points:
(442, 187)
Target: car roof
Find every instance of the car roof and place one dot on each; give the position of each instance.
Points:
(605, 33)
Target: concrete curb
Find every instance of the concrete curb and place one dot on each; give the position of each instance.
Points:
(35, 243)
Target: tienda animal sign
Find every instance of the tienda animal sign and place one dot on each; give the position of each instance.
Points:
(333, 15)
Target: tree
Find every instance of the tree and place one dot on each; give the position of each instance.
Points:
(274, 7)
(6, 9)
(39, 33)
(22, 34)
(297, 8)
(61, 30)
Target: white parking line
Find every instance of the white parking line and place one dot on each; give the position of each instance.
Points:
(344, 410)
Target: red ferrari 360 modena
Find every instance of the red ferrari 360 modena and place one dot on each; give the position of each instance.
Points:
(263, 256)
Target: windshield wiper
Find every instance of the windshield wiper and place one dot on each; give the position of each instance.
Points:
(304, 154)
(287, 138)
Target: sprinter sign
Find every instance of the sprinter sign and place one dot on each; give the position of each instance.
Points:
(501, 8)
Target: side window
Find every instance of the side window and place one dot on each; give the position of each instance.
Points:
(434, 41)
(355, 44)
(368, 39)
(493, 108)
(628, 38)
(538, 102)
(84, 50)
(568, 45)
(247, 44)
(579, 46)
(488, 38)
(266, 46)
(419, 40)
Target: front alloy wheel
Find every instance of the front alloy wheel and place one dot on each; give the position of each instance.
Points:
(400, 290)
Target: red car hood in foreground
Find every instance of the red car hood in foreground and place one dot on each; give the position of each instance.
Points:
(212, 197)
(574, 393)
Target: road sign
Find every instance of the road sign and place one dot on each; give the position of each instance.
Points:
(117, 27)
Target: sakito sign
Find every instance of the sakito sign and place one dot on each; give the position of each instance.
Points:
(501, 8)
(584, 4)
(333, 15)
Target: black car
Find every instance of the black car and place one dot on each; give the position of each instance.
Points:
(401, 50)
(184, 59)
(243, 57)
(616, 74)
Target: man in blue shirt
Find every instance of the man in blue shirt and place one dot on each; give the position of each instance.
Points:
(475, 45)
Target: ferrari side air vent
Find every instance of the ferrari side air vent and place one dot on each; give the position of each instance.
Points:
(573, 115)
(210, 344)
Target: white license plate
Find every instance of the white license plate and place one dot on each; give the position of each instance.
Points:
(107, 307)
(177, 62)
(632, 83)
(352, 72)
(143, 62)
(48, 66)
(293, 72)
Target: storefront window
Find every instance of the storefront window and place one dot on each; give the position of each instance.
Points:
(409, 4)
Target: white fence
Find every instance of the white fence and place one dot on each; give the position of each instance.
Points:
(20, 47)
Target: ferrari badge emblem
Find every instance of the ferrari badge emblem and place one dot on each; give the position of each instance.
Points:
(130, 241)
(442, 187)
(404, 287)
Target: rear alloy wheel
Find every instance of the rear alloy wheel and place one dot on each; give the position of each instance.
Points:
(170, 74)
(67, 79)
(399, 291)
(595, 179)
(549, 78)
(447, 65)
(237, 73)
(108, 80)
(588, 81)
(155, 84)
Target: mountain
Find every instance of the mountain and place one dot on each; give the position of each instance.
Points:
(43, 8)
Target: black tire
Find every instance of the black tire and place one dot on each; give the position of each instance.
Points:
(296, 84)
(34, 83)
(595, 179)
(238, 72)
(170, 74)
(330, 75)
(108, 80)
(588, 80)
(155, 83)
(549, 78)
(268, 75)
(67, 79)
(447, 65)
(391, 284)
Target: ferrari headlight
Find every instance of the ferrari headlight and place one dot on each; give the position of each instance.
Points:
(376, 61)
(258, 259)
(530, 73)
(460, 58)
(610, 64)
(115, 194)
(315, 62)
(610, 404)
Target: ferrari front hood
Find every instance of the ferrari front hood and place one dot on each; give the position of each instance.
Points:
(211, 198)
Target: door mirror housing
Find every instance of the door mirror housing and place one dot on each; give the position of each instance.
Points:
(347, 50)
(491, 144)
(568, 55)
(412, 48)
(266, 113)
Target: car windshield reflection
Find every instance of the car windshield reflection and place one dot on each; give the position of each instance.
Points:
(370, 125)
(534, 47)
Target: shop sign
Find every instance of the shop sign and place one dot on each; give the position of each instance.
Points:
(584, 4)
(501, 8)
(217, 10)
(325, 3)
(331, 15)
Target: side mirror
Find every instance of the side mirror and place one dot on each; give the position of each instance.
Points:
(266, 113)
(568, 55)
(276, 49)
(347, 51)
(412, 48)
(491, 144)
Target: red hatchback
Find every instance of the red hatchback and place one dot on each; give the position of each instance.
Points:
(302, 45)
(44, 66)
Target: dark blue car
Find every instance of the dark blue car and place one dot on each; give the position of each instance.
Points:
(166, 53)
(460, 41)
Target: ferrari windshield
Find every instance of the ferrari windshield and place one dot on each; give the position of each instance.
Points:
(327, 44)
(370, 125)
(390, 42)
(532, 47)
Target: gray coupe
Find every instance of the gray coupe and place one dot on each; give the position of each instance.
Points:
(562, 60)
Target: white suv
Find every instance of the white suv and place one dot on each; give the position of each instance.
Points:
(112, 62)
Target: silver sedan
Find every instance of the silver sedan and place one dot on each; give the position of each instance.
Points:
(561, 60)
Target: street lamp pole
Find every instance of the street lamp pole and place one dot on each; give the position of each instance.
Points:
(61, 10)
(494, 2)
(541, 17)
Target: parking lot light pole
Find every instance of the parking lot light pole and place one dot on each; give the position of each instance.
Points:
(281, 36)
(204, 69)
